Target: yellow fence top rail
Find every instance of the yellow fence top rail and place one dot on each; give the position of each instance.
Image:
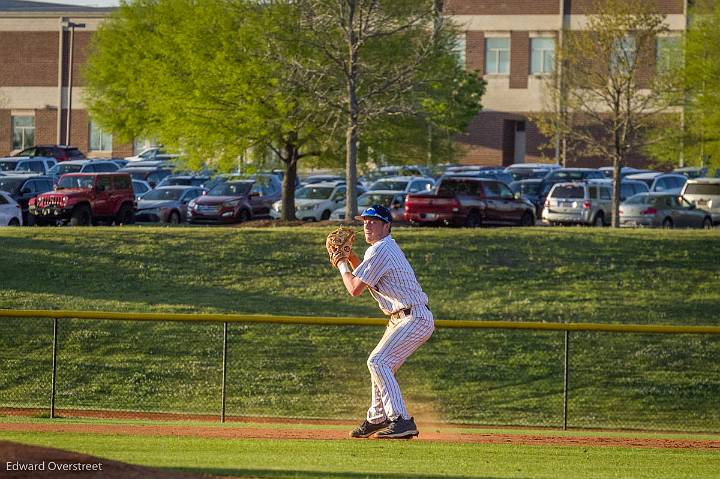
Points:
(348, 321)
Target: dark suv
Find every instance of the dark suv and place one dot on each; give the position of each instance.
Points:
(59, 152)
(22, 188)
(236, 201)
(82, 199)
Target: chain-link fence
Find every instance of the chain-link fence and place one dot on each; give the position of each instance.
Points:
(486, 376)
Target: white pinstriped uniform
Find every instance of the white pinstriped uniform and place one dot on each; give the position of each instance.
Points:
(393, 284)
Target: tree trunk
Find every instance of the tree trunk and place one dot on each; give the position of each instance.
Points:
(617, 182)
(351, 136)
(290, 159)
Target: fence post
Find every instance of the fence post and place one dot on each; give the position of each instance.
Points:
(224, 371)
(566, 381)
(54, 369)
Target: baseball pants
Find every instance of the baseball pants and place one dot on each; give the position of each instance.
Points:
(402, 337)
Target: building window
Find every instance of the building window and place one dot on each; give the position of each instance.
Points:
(459, 49)
(23, 132)
(99, 140)
(668, 53)
(622, 59)
(497, 56)
(542, 55)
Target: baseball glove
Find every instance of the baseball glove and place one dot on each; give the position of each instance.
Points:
(339, 245)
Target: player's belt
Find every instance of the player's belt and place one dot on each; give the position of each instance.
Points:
(400, 314)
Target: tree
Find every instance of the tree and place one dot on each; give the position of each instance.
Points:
(600, 100)
(385, 63)
(694, 137)
(201, 78)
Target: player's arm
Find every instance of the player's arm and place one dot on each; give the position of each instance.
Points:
(355, 286)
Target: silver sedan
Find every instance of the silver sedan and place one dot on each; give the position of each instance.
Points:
(666, 210)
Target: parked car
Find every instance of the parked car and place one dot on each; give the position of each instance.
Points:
(624, 171)
(166, 204)
(81, 166)
(140, 187)
(407, 184)
(469, 201)
(394, 170)
(236, 201)
(39, 165)
(492, 173)
(82, 199)
(579, 202)
(22, 188)
(530, 190)
(312, 179)
(660, 182)
(564, 175)
(527, 171)
(59, 152)
(628, 187)
(666, 210)
(692, 171)
(151, 154)
(316, 202)
(152, 174)
(704, 193)
(185, 180)
(392, 200)
(10, 211)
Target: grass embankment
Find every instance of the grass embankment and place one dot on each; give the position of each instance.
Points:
(514, 377)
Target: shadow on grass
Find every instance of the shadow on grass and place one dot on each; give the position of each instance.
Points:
(280, 474)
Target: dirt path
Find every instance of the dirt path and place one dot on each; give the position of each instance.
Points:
(265, 430)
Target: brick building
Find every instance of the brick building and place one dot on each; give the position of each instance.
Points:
(510, 42)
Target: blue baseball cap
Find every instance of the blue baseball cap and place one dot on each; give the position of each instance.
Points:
(376, 211)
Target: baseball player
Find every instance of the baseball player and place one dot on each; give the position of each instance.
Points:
(387, 275)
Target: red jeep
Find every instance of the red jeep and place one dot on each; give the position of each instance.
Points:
(81, 199)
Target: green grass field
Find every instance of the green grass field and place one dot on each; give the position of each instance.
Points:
(380, 459)
(485, 376)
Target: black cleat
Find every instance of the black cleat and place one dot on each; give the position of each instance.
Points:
(367, 429)
(400, 428)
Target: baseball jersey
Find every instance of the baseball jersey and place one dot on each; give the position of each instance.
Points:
(390, 277)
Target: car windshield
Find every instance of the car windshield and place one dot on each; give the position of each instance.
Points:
(168, 194)
(641, 199)
(314, 192)
(230, 189)
(568, 175)
(367, 199)
(703, 189)
(8, 165)
(63, 168)
(72, 181)
(389, 185)
(9, 184)
(568, 191)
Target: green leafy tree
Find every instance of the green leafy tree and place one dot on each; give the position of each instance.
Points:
(595, 101)
(386, 66)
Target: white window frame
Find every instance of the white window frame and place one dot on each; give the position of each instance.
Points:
(624, 47)
(496, 53)
(664, 51)
(98, 140)
(543, 53)
(459, 49)
(26, 140)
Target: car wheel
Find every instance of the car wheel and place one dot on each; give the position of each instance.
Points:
(707, 223)
(527, 219)
(81, 216)
(473, 220)
(174, 218)
(14, 222)
(325, 215)
(667, 224)
(243, 216)
(599, 220)
(125, 216)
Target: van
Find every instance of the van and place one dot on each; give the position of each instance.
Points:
(704, 193)
(579, 202)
